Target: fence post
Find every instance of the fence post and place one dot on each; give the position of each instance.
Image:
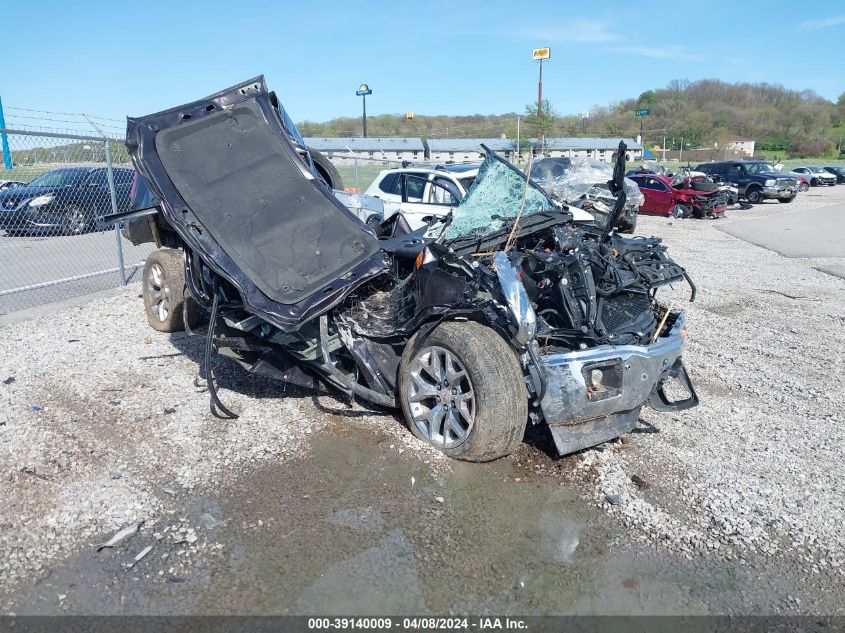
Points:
(118, 242)
(356, 172)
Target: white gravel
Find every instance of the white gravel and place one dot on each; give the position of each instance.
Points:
(102, 422)
(757, 467)
(103, 413)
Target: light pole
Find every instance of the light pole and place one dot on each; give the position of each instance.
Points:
(539, 54)
(363, 91)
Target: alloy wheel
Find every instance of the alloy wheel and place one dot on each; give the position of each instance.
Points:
(74, 221)
(158, 292)
(441, 398)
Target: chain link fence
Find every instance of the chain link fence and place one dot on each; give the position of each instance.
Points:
(358, 171)
(55, 190)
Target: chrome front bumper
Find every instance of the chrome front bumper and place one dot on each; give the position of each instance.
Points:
(596, 394)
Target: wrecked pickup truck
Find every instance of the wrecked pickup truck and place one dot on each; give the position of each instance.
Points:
(504, 312)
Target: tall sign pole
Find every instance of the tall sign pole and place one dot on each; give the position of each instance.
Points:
(642, 113)
(540, 54)
(363, 91)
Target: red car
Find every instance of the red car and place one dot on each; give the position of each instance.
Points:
(662, 198)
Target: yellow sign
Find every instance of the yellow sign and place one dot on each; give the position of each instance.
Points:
(363, 87)
(409, 115)
(541, 53)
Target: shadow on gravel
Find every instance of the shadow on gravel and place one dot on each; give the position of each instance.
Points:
(229, 375)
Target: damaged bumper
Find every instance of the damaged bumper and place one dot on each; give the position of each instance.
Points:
(595, 395)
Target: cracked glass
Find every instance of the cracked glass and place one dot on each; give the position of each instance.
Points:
(498, 190)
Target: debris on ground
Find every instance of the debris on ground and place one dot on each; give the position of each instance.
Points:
(124, 533)
(141, 555)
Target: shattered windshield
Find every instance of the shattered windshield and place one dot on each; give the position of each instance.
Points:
(498, 190)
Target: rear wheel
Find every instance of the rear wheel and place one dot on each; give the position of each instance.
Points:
(786, 200)
(755, 196)
(166, 300)
(463, 391)
(814, 182)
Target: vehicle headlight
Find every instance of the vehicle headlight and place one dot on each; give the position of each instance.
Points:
(517, 298)
(40, 201)
(770, 183)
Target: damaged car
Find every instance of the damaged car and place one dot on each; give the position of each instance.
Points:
(583, 184)
(502, 312)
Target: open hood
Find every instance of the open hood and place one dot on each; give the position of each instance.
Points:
(234, 187)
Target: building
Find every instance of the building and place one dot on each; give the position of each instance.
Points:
(742, 144)
(603, 149)
(338, 149)
(460, 150)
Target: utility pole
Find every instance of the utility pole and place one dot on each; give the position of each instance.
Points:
(518, 148)
(664, 145)
(681, 153)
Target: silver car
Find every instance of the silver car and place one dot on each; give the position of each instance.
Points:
(816, 175)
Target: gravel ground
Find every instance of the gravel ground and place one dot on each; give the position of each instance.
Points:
(757, 466)
(103, 423)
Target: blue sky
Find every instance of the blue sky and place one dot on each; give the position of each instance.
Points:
(460, 57)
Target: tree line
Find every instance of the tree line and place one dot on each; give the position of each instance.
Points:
(703, 113)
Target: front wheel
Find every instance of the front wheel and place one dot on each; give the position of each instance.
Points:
(75, 221)
(681, 211)
(814, 182)
(755, 196)
(803, 186)
(463, 391)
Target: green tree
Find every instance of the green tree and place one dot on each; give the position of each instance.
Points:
(545, 123)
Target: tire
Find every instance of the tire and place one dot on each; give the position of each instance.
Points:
(75, 221)
(326, 169)
(803, 186)
(490, 378)
(814, 182)
(703, 185)
(786, 200)
(755, 196)
(374, 223)
(165, 294)
(681, 211)
(628, 226)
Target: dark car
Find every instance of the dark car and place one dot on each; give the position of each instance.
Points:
(504, 311)
(67, 201)
(756, 180)
(839, 172)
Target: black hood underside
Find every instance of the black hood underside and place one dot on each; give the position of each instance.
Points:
(234, 188)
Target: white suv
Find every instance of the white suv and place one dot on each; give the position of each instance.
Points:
(423, 191)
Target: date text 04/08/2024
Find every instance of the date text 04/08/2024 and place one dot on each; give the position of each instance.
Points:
(417, 624)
